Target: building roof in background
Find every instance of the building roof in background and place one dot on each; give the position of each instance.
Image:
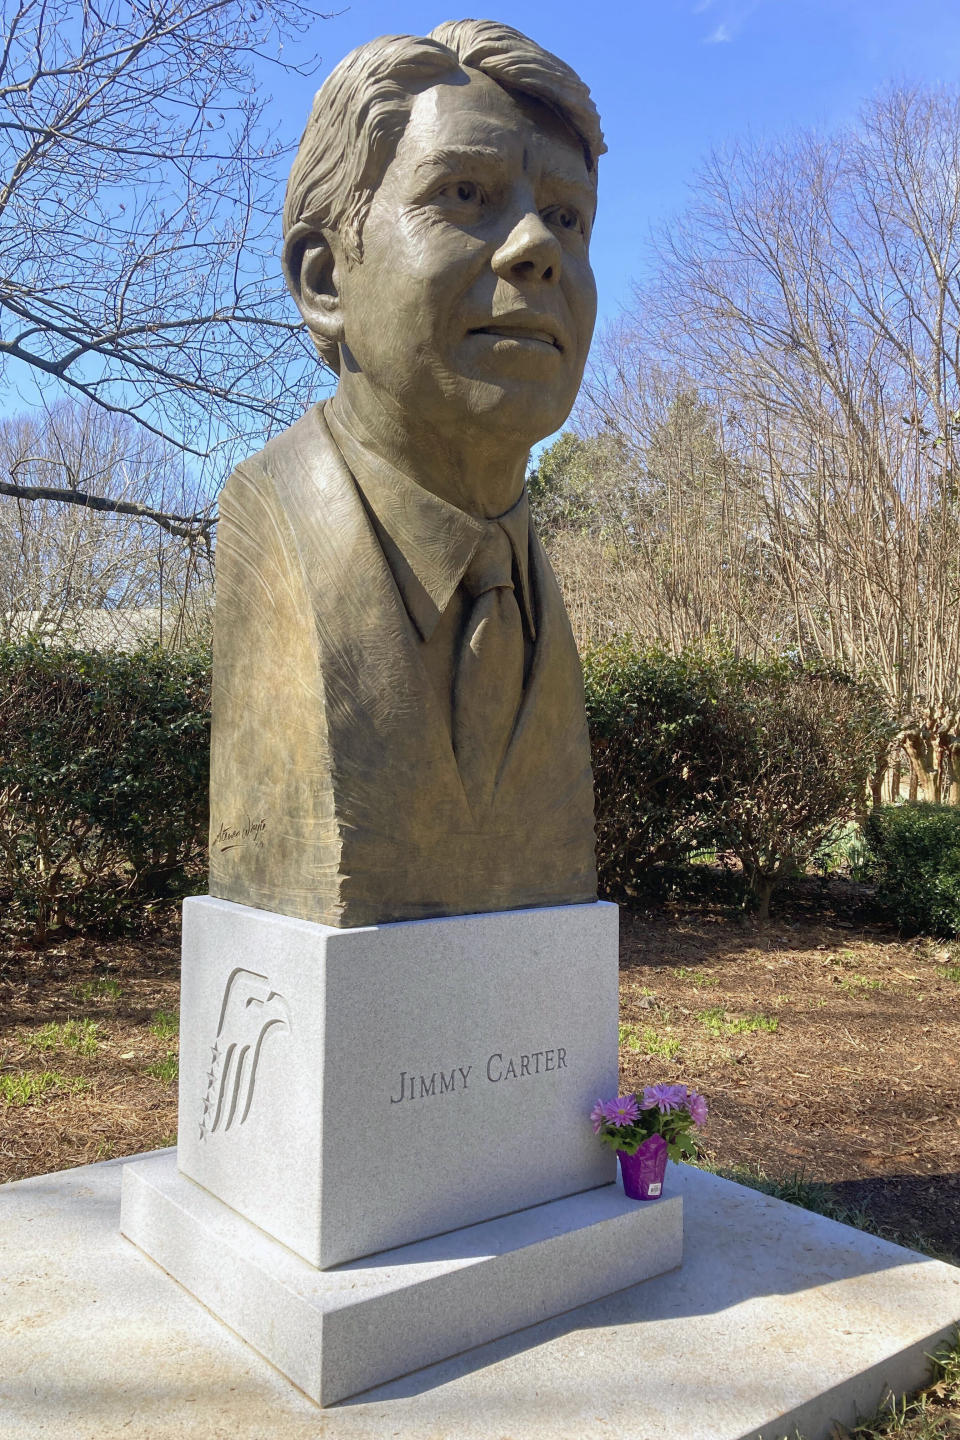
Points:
(103, 629)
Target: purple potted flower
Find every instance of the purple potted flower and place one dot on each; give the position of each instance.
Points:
(647, 1130)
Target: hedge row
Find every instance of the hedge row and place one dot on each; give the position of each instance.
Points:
(710, 752)
(914, 862)
(103, 780)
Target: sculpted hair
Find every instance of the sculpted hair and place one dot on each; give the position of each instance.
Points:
(360, 112)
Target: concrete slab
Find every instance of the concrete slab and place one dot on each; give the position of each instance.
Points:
(778, 1321)
(338, 1332)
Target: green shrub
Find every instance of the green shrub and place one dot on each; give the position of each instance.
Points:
(843, 851)
(759, 759)
(650, 720)
(914, 862)
(103, 782)
(794, 750)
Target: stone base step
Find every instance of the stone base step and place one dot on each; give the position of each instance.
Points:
(337, 1332)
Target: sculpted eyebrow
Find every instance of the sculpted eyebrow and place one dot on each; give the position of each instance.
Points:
(449, 159)
(565, 184)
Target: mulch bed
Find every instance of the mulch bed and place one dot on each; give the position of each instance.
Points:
(827, 1048)
(102, 1104)
(858, 1086)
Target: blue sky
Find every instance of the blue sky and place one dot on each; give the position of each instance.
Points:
(674, 78)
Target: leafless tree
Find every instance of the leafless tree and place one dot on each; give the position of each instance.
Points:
(655, 525)
(99, 574)
(811, 293)
(138, 202)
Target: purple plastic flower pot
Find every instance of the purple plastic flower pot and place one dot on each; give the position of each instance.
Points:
(643, 1173)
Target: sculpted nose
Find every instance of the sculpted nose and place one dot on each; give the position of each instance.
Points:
(530, 252)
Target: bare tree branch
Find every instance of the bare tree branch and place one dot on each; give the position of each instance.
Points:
(189, 526)
(104, 531)
(809, 299)
(139, 193)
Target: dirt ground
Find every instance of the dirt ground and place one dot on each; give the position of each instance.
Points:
(98, 1019)
(827, 1049)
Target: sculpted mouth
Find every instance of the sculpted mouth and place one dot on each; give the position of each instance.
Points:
(505, 330)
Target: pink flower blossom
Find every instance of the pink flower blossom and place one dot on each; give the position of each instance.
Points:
(622, 1111)
(697, 1107)
(666, 1098)
(597, 1117)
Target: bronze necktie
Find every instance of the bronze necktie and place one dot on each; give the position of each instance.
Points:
(489, 675)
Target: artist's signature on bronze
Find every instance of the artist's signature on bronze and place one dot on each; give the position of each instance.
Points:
(228, 837)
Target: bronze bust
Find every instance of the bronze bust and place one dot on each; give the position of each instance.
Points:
(398, 722)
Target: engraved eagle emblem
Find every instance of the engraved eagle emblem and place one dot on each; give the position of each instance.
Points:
(250, 1010)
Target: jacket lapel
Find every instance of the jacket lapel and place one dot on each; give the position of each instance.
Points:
(375, 679)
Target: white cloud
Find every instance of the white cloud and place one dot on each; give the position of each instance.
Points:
(733, 15)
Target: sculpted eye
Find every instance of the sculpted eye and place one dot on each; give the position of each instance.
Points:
(566, 218)
(463, 192)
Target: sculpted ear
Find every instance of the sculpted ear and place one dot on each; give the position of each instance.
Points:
(310, 270)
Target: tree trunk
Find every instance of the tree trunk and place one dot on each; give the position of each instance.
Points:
(894, 782)
(921, 750)
(950, 772)
(762, 888)
(879, 780)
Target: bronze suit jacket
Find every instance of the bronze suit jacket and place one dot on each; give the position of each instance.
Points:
(335, 794)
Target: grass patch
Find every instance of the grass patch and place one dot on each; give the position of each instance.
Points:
(949, 972)
(846, 960)
(647, 1040)
(814, 1195)
(165, 1070)
(101, 988)
(77, 1035)
(863, 982)
(930, 1415)
(715, 1019)
(165, 1024)
(29, 1085)
(696, 977)
(795, 1188)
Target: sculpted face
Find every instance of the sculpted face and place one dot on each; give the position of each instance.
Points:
(474, 303)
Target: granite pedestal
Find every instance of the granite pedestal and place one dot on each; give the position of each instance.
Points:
(417, 1093)
(338, 1332)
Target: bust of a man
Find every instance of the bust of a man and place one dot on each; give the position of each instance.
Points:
(398, 722)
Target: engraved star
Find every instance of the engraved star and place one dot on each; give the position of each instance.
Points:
(214, 1053)
(207, 1102)
(203, 1131)
(210, 1076)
